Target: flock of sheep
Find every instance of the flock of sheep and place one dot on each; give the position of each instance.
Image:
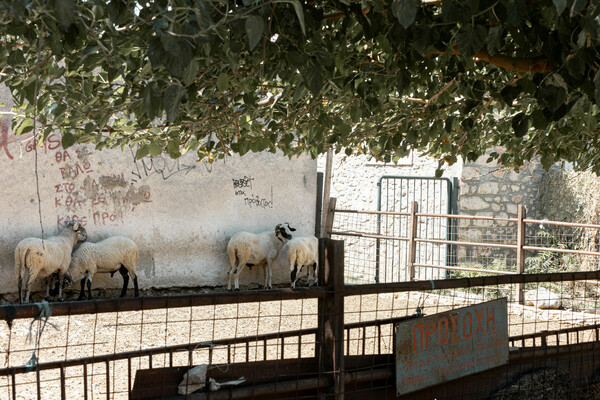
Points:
(54, 258)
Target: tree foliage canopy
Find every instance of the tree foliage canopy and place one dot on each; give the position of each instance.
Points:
(379, 77)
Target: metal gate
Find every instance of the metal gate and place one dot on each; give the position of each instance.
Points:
(434, 196)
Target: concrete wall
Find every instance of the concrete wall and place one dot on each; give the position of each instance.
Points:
(180, 212)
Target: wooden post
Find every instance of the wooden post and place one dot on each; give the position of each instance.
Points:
(330, 330)
(412, 244)
(329, 218)
(327, 191)
(521, 214)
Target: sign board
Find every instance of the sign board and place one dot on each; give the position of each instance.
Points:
(449, 345)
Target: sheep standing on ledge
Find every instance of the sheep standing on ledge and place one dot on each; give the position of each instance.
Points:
(114, 254)
(247, 249)
(303, 251)
(36, 258)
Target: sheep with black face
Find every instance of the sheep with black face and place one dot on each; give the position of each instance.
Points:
(246, 249)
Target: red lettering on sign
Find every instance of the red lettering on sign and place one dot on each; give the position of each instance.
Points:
(479, 315)
(490, 319)
(470, 325)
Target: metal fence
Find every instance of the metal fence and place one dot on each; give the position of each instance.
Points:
(326, 341)
(406, 248)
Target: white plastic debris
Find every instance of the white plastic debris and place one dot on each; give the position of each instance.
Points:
(194, 379)
(543, 298)
(214, 385)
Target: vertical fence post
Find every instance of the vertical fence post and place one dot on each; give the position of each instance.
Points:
(412, 244)
(330, 330)
(329, 218)
(521, 214)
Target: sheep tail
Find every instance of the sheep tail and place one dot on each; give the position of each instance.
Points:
(233, 257)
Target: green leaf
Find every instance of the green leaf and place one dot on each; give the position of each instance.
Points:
(155, 148)
(539, 120)
(190, 72)
(494, 40)
(67, 140)
(299, 12)
(142, 151)
(406, 11)
(471, 39)
(222, 82)
(172, 100)
(152, 100)
(560, 5)
(552, 96)
(313, 79)
(64, 12)
(520, 124)
(26, 125)
(255, 26)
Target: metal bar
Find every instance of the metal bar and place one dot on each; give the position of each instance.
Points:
(352, 290)
(369, 235)
(491, 271)
(521, 227)
(192, 346)
(129, 374)
(63, 394)
(123, 304)
(330, 216)
(559, 223)
(412, 243)
(37, 383)
(481, 244)
(319, 205)
(378, 239)
(14, 386)
(555, 250)
(108, 380)
(85, 381)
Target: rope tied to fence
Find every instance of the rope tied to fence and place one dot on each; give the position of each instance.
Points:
(42, 318)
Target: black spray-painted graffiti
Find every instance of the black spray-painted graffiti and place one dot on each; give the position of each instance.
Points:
(160, 165)
(257, 201)
(242, 183)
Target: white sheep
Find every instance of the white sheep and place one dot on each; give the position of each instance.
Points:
(303, 251)
(247, 249)
(117, 253)
(36, 258)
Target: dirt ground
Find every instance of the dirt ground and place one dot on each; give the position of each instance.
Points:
(72, 337)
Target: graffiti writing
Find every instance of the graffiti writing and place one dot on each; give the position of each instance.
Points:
(257, 201)
(245, 182)
(159, 165)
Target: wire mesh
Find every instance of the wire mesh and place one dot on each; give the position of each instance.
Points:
(111, 347)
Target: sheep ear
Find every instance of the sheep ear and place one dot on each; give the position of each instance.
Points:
(76, 226)
(292, 229)
(277, 227)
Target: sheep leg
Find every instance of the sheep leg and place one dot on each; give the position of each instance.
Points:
(294, 274)
(30, 281)
(89, 287)
(61, 281)
(312, 271)
(20, 283)
(135, 286)
(48, 281)
(269, 262)
(125, 274)
(82, 290)
(236, 275)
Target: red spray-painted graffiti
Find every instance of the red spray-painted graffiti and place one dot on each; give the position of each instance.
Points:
(82, 192)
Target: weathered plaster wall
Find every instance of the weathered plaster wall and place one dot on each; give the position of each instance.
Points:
(180, 212)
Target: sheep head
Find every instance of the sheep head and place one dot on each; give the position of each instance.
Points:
(284, 231)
